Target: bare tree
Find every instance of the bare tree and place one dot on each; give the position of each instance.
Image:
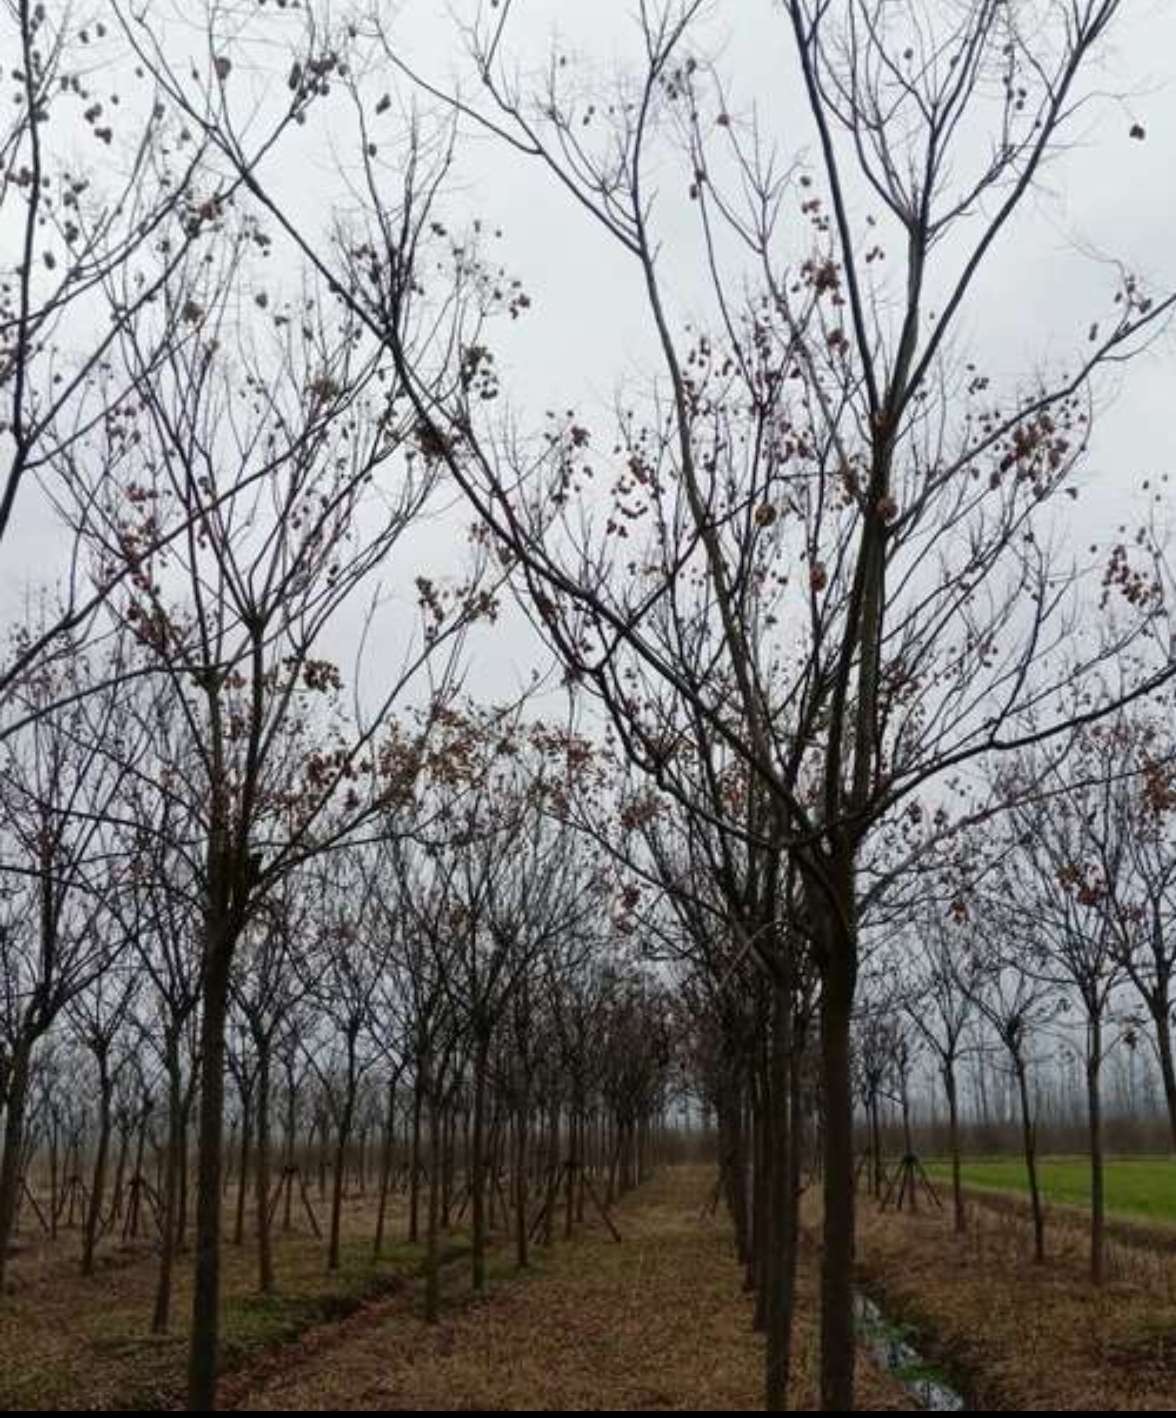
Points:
(59, 860)
(1017, 1006)
(342, 973)
(1128, 842)
(84, 257)
(99, 1016)
(1063, 913)
(941, 1008)
(267, 462)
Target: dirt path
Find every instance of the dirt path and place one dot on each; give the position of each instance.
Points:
(656, 1322)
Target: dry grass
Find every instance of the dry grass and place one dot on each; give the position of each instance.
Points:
(657, 1322)
(68, 1342)
(1021, 1336)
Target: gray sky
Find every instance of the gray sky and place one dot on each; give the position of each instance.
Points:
(587, 335)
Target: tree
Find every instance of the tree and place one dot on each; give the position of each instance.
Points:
(1127, 840)
(99, 1016)
(1016, 1005)
(268, 989)
(59, 867)
(83, 259)
(165, 888)
(1065, 924)
(265, 454)
(342, 972)
(941, 1008)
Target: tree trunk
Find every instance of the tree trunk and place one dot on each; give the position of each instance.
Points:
(448, 1162)
(1094, 1118)
(265, 1254)
(203, 1349)
(54, 1172)
(570, 1175)
(1161, 1018)
(289, 1139)
(477, 1168)
(98, 1179)
(185, 1160)
(521, 1219)
(838, 1347)
(118, 1182)
(1029, 1142)
(10, 1163)
(386, 1167)
(344, 1138)
(246, 1147)
(953, 1129)
(140, 1147)
(756, 1276)
(780, 1240)
(553, 1175)
(733, 1162)
(414, 1161)
(169, 1221)
(433, 1249)
(324, 1149)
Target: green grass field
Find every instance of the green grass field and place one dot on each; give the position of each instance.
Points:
(1140, 1187)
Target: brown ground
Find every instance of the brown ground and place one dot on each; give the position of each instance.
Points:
(657, 1322)
(1023, 1336)
(74, 1343)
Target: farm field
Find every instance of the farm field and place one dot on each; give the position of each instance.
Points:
(1143, 1188)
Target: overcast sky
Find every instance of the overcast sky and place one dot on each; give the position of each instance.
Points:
(587, 335)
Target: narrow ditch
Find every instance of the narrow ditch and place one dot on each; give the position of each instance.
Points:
(889, 1344)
